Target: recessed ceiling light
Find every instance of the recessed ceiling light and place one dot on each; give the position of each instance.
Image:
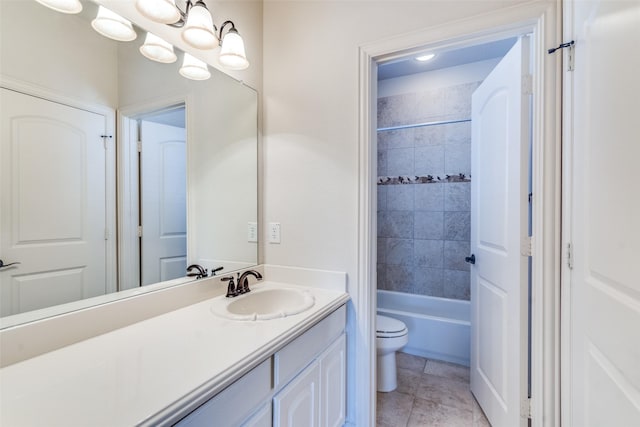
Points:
(425, 58)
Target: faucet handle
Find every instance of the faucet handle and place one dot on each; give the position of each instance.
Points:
(231, 289)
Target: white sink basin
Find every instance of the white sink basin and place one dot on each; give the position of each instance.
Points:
(264, 304)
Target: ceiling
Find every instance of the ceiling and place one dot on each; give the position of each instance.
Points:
(445, 59)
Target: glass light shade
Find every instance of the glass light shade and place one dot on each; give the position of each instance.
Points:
(198, 30)
(232, 54)
(161, 11)
(64, 6)
(425, 58)
(158, 50)
(114, 26)
(194, 69)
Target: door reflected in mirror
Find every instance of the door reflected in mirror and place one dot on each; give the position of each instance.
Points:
(93, 214)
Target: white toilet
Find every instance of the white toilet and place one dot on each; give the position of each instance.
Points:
(391, 336)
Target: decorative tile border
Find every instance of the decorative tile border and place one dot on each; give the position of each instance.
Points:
(429, 179)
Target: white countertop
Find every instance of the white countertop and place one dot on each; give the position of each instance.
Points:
(147, 372)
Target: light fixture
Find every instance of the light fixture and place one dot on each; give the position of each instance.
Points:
(198, 29)
(425, 58)
(157, 49)
(232, 53)
(194, 69)
(112, 25)
(64, 6)
(162, 11)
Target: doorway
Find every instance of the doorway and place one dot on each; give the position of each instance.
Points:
(532, 20)
(153, 216)
(430, 211)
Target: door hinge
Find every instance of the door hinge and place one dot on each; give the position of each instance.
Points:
(139, 231)
(570, 46)
(105, 139)
(527, 246)
(571, 58)
(527, 84)
(139, 146)
(527, 412)
(569, 256)
(106, 234)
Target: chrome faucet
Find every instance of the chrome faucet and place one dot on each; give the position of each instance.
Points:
(243, 281)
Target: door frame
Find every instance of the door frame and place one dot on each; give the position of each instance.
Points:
(110, 166)
(128, 174)
(541, 19)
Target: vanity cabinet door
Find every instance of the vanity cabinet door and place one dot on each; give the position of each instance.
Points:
(235, 403)
(333, 379)
(298, 404)
(262, 418)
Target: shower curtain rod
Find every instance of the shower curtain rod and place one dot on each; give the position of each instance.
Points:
(419, 125)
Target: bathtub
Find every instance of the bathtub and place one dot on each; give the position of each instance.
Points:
(439, 328)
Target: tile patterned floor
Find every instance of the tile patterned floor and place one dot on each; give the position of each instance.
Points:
(430, 393)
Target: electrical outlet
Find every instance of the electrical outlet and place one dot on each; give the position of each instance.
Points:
(274, 232)
(252, 232)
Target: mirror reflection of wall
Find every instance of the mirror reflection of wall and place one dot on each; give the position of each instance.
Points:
(62, 194)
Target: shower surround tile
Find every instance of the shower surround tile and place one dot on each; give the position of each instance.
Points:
(429, 160)
(428, 135)
(424, 214)
(395, 224)
(454, 255)
(429, 197)
(457, 196)
(382, 197)
(457, 284)
(399, 252)
(400, 161)
(457, 226)
(400, 197)
(457, 158)
(401, 138)
(399, 278)
(428, 225)
(428, 281)
(428, 253)
(382, 162)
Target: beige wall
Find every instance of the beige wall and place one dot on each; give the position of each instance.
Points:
(310, 128)
(310, 100)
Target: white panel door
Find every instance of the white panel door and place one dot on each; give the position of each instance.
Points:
(604, 345)
(163, 195)
(499, 156)
(53, 215)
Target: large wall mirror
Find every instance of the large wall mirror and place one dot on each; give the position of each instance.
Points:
(116, 172)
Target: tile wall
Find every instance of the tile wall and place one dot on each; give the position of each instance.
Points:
(424, 193)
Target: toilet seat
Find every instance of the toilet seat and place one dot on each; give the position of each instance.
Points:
(386, 327)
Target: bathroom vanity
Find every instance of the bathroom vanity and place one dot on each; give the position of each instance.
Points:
(192, 367)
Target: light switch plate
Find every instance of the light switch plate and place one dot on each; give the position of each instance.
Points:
(274, 232)
(252, 232)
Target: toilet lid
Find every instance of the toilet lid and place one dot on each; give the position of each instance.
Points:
(387, 325)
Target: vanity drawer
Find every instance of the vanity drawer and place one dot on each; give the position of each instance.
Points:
(294, 357)
(235, 403)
